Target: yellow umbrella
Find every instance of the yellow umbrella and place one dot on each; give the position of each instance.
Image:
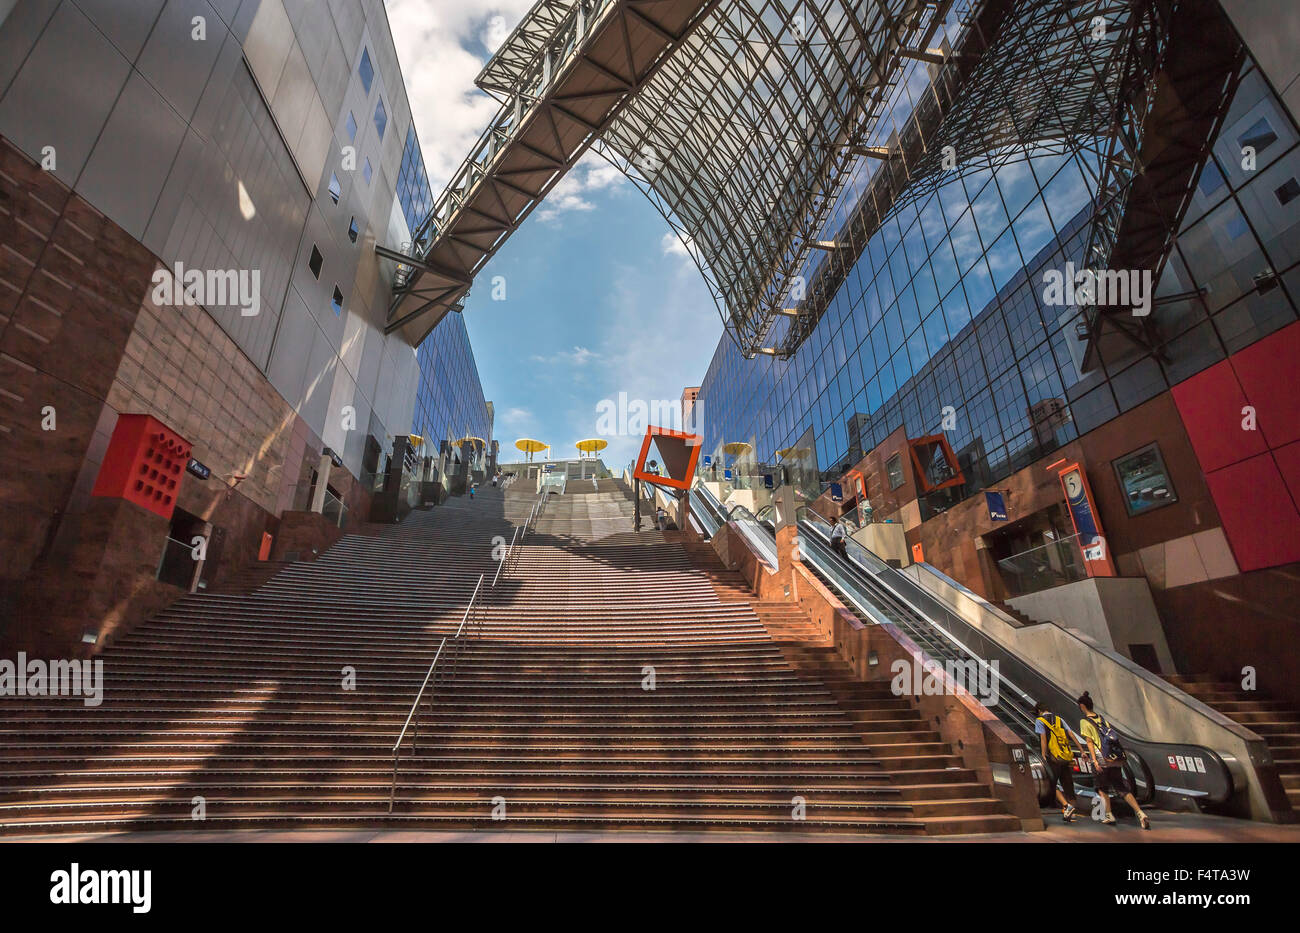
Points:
(415, 439)
(530, 446)
(592, 445)
(471, 440)
(790, 452)
(737, 448)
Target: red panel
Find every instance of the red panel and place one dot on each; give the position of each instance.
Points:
(1210, 404)
(145, 464)
(1267, 372)
(1288, 462)
(680, 451)
(1259, 516)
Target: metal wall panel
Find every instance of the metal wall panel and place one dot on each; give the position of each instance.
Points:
(130, 162)
(177, 64)
(126, 25)
(62, 98)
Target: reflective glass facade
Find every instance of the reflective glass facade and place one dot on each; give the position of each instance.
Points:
(450, 403)
(944, 312)
(413, 190)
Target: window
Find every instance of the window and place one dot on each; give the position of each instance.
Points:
(894, 470)
(1144, 480)
(352, 127)
(1287, 193)
(316, 261)
(337, 301)
(366, 70)
(381, 117)
(367, 171)
(336, 190)
(1260, 136)
(352, 230)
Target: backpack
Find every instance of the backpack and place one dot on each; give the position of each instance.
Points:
(1112, 749)
(1058, 746)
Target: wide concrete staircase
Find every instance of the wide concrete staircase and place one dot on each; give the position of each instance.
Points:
(611, 681)
(1276, 722)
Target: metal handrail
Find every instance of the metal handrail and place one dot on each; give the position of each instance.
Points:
(505, 557)
(412, 715)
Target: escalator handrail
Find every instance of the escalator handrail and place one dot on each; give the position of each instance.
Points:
(1136, 743)
(961, 646)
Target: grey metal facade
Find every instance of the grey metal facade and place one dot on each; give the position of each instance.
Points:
(228, 152)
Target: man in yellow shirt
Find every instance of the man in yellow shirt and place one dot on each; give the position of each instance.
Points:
(1110, 771)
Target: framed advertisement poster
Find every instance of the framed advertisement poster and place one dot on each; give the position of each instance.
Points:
(1143, 480)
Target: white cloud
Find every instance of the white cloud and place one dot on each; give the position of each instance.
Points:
(578, 356)
(440, 49)
(673, 245)
(592, 174)
(516, 415)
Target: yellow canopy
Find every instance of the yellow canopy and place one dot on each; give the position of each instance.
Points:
(790, 452)
(530, 446)
(737, 448)
(470, 440)
(415, 439)
(592, 445)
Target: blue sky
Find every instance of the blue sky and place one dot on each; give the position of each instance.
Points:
(600, 300)
(600, 297)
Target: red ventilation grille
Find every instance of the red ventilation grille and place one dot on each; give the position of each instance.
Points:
(145, 464)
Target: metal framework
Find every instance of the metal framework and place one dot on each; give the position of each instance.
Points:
(743, 120)
(562, 76)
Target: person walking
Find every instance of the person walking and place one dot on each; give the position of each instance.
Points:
(1058, 757)
(839, 539)
(1107, 755)
(661, 518)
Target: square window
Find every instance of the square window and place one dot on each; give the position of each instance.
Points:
(337, 301)
(381, 117)
(1287, 193)
(367, 171)
(316, 261)
(366, 70)
(336, 190)
(352, 230)
(894, 470)
(352, 127)
(1211, 179)
(1260, 136)
(1235, 227)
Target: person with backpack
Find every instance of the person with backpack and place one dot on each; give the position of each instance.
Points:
(838, 535)
(1058, 757)
(1107, 754)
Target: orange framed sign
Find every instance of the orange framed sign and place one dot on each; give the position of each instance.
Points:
(680, 451)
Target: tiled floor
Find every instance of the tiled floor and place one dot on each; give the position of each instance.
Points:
(1166, 827)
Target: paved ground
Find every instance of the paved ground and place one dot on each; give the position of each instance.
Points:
(1166, 827)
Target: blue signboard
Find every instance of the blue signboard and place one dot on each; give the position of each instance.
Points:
(837, 492)
(726, 474)
(707, 459)
(997, 506)
(768, 483)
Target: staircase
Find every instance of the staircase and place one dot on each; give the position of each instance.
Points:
(1277, 723)
(614, 684)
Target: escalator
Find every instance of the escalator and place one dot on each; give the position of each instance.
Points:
(879, 593)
